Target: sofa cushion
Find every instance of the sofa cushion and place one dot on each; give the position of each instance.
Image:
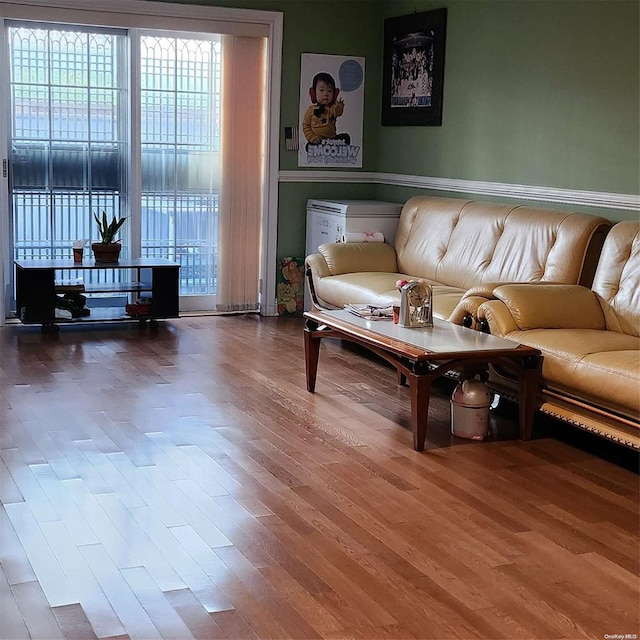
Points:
(359, 257)
(600, 366)
(366, 287)
(464, 243)
(377, 288)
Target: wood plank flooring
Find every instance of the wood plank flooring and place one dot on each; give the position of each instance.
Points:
(183, 484)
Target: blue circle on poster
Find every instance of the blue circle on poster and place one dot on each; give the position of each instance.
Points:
(350, 74)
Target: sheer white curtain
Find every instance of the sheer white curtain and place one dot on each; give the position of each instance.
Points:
(241, 191)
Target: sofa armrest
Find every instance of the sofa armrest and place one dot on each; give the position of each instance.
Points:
(318, 265)
(356, 257)
(546, 306)
(315, 267)
(466, 312)
(496, 316)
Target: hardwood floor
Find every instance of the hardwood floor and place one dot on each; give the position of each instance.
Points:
(183, 484)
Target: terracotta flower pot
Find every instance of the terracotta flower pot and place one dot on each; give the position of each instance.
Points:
(106, 253)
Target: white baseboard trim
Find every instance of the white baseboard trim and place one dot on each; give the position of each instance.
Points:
(574, 197)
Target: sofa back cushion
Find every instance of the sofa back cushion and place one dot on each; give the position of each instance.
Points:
(358, 256)
(464, 243)
(617, 278)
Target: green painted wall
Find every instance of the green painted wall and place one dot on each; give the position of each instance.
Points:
(537, 93)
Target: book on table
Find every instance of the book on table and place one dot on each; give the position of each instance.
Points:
(370, 311)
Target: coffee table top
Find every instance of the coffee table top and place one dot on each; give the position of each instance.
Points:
(444, 338)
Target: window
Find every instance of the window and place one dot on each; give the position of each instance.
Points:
(180, 106)
(68, 136)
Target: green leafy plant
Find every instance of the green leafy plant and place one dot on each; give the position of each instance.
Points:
(108, 229)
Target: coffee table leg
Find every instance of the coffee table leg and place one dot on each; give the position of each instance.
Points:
(311, 352)
(528, 387)
(420, 390)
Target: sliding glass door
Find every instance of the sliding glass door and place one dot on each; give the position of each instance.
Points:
(170, 119)
(72, 142)
(180, 147)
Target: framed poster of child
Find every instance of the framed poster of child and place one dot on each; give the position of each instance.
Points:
(331, 111)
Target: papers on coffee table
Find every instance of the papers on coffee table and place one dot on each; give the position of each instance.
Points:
(370, 311)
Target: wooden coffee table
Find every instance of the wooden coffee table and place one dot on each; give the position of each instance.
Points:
(422, 355)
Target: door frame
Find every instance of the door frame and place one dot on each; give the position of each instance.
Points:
(137, 14)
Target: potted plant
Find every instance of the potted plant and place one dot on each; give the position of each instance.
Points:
(108, 249)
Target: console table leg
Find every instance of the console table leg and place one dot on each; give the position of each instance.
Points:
(420, 390)
(311, 352)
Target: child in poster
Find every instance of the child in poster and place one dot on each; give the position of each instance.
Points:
(319, 122)
(331, 126)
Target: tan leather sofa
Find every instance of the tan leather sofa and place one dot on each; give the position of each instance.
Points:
(589, 338)
(456, 244)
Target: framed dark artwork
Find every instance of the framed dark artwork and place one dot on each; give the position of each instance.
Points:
(413, 68)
